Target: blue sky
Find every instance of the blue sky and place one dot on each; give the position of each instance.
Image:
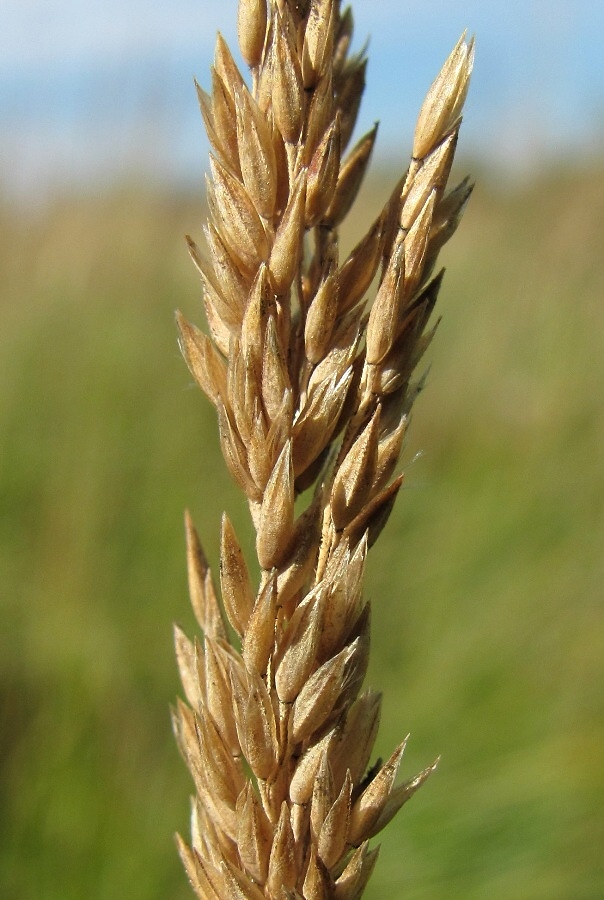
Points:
(90, 91)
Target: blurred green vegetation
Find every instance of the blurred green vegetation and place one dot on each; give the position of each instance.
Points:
(486, 586)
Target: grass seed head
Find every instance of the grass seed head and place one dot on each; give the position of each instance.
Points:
(312, 381)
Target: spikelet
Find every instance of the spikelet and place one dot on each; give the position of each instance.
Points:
(312, 384)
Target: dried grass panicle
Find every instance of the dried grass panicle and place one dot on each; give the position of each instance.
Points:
(312, 383)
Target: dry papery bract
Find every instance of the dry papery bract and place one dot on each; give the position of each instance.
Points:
(313, 383)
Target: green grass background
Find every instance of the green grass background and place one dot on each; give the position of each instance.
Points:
(487, 584)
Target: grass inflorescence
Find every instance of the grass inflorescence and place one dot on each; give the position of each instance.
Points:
(312, 383)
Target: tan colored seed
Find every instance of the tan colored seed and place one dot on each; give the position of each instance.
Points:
(204, 361)
(196, 871)
(238, 885)
(354, 878)
(255, 720)
(314, 886)
(303, 780)
(234, 579)
(356, 740)
(256, 154)
(201, 587)
(229, 281)
(431, 176)
(444, 100)
(254, 835)
(321, 318)
(323, 796)
(224, 123)
(416, 244)
(399, 796)
(234, 452)
(319, 695)
(218, 693)
(321, 114)
(302, 638)
(287, 247)
(385, 312)
(318, 41)
(282, 867)
(187, 667)
(323, 172)
(251, 29)
(367, 809)
(277, 512)
(334, 830)
(242, 228)
(226, 68)
(356, 475)
(288, 89)
(259, 638)
(314, 427)
(275, 376)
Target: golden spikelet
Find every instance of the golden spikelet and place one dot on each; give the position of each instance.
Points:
(312, 383)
